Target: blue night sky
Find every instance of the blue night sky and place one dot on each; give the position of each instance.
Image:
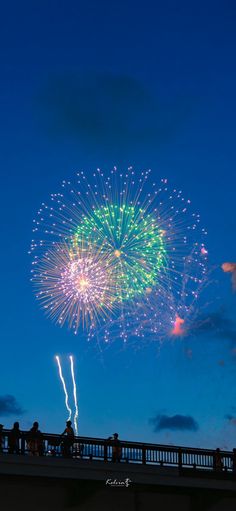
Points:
(87, 84)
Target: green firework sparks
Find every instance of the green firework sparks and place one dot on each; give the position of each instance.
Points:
(132, 241)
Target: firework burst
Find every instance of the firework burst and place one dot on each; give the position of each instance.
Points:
(133, 243)
(117, 250)
(74, 285)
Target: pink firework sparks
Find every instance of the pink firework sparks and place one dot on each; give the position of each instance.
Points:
(73, 285)
(204, 251)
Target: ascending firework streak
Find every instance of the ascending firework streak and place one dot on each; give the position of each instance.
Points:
(66, 392)
(75, 395)
(64, 387)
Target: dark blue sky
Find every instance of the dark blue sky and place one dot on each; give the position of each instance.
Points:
(87, 84)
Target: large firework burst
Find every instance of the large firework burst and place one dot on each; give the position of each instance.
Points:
(141, 251)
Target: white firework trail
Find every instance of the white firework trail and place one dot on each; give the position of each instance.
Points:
(64, 387)
(75, 395)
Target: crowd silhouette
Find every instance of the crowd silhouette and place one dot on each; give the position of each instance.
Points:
(35, 442)
(63, 445)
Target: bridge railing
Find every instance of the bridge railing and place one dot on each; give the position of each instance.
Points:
(132, 452)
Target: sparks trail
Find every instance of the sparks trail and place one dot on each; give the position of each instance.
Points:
(75, 395)
(76, 413)
(64, 387)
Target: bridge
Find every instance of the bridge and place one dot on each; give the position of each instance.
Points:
(148, 476)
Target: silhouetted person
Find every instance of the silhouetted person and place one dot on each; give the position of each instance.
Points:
(1, 428)
(14, 439)
(218, 465)
(116, 448)
(35, 440)
(68, 440)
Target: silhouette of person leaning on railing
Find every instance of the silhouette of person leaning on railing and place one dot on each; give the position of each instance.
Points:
(68, 440)
(218, 463)
(14, 439)
(35, 440)
(116, 447)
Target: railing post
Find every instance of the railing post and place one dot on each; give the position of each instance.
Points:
(105, 451)
(143, 455)
(5, 445)
(22, 445)
(180, 458)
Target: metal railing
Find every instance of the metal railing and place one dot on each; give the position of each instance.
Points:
(132, 452)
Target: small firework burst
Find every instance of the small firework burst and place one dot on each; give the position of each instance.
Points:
(74, 285)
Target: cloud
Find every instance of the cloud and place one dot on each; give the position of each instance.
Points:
(109, 110)
(9, 406)
(175, 422)
(216, 324)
